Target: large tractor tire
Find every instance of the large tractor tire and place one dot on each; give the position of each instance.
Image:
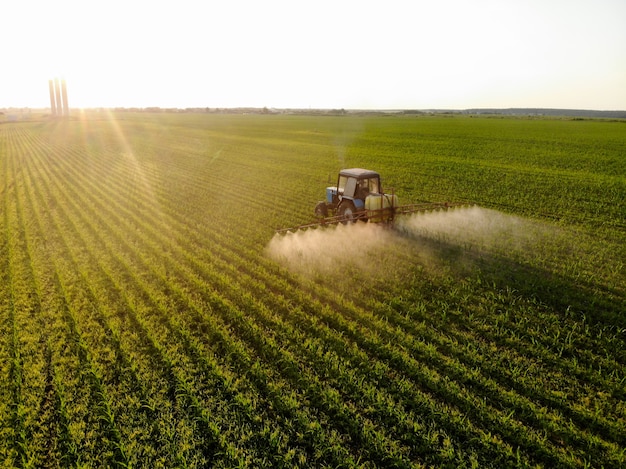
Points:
(347, 211)
(321, 210)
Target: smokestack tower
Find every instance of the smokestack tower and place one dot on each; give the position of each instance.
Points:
(66, 109)
(53, 108)
(57, 90)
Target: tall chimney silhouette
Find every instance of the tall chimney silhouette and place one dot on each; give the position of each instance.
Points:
(53, 107)
(66, 109)
(57, 90)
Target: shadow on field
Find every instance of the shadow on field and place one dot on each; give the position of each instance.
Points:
(567, 297)
(527, 256)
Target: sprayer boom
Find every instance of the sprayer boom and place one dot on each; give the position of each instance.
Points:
(385, 216)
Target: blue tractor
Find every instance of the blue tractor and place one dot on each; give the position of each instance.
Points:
(358, 195)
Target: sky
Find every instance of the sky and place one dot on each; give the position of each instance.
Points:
(333, 54)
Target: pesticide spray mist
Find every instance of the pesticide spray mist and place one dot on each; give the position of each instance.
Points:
(478, 228)
(360, 245)
(327, 249)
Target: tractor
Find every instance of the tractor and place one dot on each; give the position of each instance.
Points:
(358, 196)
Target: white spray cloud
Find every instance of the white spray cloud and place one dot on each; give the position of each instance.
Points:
(476, 227)
(329, 249)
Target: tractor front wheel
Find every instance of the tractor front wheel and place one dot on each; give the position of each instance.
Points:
(347, 212)
(321, 210)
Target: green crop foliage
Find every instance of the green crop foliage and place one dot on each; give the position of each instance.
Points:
(150, 317)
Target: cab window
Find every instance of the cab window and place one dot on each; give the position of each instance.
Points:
(373, 185)
(349, 187)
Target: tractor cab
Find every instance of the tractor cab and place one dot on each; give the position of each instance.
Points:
(348, 197)
(354, 185)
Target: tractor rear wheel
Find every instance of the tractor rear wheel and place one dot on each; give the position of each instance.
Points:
(347, 212)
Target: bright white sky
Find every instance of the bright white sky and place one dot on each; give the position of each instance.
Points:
(385, 54)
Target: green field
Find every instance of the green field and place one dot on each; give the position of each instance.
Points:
(149, 316)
